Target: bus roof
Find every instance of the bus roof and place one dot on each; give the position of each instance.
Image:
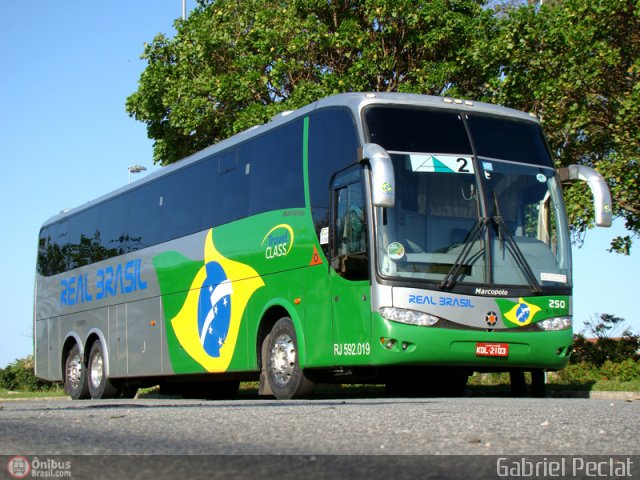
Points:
(353, 101)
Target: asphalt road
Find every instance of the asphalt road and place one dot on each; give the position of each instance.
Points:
(307, 430)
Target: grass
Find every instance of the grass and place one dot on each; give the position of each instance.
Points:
(13, 394)
(500, 381)
(479, 384)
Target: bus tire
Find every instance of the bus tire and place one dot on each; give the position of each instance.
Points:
(75, 375)
(99, 385)
(538, 385)
(518, 383)
(285, 377)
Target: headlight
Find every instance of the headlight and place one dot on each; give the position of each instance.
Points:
(557, 323)
(410, 317)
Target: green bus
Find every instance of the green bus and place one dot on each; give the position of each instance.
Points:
(393, 238)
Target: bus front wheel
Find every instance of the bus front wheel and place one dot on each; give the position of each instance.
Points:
(99, 385)
(285, 377)
(75, 375)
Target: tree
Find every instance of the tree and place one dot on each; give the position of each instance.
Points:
(605, 338)
(576, 63)
(19, 375)
(234, 64)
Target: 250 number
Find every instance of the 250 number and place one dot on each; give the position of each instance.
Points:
(557, 304)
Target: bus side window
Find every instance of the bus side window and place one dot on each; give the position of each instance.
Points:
(350, 257)
(333, 145)
(42, 264)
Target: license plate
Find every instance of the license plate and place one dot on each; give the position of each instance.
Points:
(492, 349)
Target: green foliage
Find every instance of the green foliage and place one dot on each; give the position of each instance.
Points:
(20, 375)
(624, 371)
(578, 373)
(234, 64)
(611, 341)
(586, 373)
(576, 63)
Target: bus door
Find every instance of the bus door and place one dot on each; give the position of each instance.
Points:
(350, 278)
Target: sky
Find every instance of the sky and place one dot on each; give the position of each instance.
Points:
(65, 139)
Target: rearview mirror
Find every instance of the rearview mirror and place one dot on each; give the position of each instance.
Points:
(383, 184)
(599, 189)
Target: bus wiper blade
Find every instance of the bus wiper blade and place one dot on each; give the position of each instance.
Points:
(513, 247)
(476, 232)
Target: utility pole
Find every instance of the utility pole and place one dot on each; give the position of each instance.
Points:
(184, 9)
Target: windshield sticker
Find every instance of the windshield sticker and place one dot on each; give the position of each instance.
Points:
(488, 168)
(441, 164)
(553, 277)
(541, 178)
(324, 236)
(395, 251)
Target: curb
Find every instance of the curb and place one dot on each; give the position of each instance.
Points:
(628, 396)
(593, 395)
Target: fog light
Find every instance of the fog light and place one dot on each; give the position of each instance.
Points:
(388, 343)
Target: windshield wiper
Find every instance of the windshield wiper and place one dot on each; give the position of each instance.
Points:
(476, 232)
(514, 249)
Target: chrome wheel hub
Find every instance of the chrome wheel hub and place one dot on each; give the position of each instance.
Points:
(283, 359)
(96, 370)
(74, 371)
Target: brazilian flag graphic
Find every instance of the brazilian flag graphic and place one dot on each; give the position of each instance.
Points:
(206, 320)
(517, 314)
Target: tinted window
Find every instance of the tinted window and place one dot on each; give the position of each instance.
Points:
(333, 145)
(112, 226)
(82, 238)
(42, 265)
(209, 193)
(145, 215)
(276, 170)
(60, 257)
(182, 202)
(417, 130)
(350, 257)
(227, 192)
(509, 140)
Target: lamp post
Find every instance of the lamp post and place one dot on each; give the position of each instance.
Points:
(136, 169)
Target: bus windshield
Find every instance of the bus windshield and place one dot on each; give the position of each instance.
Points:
(492, 220)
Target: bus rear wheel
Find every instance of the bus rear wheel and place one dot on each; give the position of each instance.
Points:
(99, 385)
(75, 375)
(285, 377)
